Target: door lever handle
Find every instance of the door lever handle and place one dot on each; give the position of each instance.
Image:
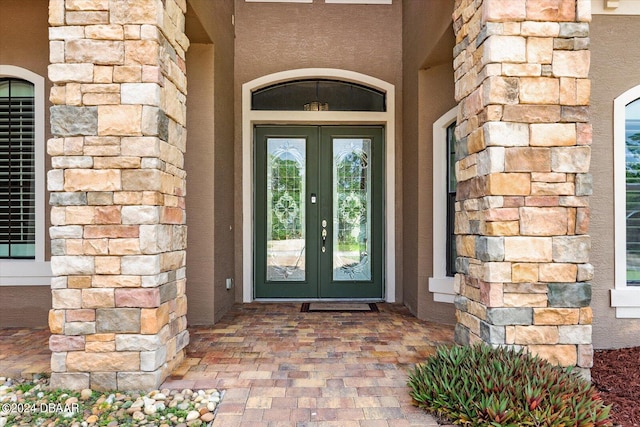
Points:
(324, 235)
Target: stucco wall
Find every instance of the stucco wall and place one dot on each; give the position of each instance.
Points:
(25, 43)
(273, 37)
(614, 70)
(428, 93)
(209, 160)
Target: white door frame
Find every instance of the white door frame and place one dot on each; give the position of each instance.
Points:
(251, 118)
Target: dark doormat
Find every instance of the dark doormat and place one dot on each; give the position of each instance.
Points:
(316, 307)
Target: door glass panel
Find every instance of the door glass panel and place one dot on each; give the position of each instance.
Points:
(351, 209)
(286, 164)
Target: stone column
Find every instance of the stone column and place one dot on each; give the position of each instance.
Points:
(523, 153)
(117, 192)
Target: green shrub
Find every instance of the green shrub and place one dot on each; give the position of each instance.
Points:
(482, 386)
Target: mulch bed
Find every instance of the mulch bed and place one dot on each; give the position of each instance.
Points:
(616, 375)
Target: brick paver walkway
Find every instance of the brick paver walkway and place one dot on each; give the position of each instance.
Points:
(280, 367)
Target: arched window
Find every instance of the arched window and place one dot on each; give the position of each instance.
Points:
(318, 95)
(17, 169)
(626, 295)
(22, 183)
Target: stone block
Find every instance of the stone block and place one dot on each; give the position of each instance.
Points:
(110, 231)
(539, 49)
(98, 298)
(526, 335)
(71, 121)
(140, 214)
(116, 281)
(585, 272)
(569, 295)
(137, 297)
(66, 298)
(142, 180)
(69, 380)
(489, 248)
(571, 159)
(502, 228)
(527, 159)
(140, 93)
(524, 300)
(531, 113)
(58, 362)
(56, 321)
(65, 232)
(107, 265)
(500, 90)
(118, 320)
(524, 272)
(87, 18)
(497, 272)
(136, 342)
(79, 282)
(103, 381)
(505, 49)
(82, 315)
(539, 90)
(510, 316)
(556, 316)
(124, 246)
(80, 328)
(102, 362)
(551, 10)
(585, 356)
(552, 189)
(104, 32)
(99, 52)
(91, 180)
(563, 355)
(63, 343)
(100, 346)
(553, 134)
(492, 334)
(535, 221)
(64, 73)
(575, 334)
(528, 249)
(119, 120)
(152, 360)
(509, 184)
(558, 272)
(571, 249)
(141, 52)
(571, 63)
(139, 380)
(153, 319)
(141, 265)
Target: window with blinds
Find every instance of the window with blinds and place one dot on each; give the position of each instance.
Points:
(451, 199)
(17, 169)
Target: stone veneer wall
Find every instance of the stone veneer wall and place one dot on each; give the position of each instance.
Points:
(118, 186)
(523, 153)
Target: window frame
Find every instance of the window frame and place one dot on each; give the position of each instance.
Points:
(36, 271)
(624, 298)
(440, 284)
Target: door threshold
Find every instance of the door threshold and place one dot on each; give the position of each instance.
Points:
(297, 300)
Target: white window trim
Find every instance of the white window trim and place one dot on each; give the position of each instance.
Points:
(251, 118)
(440, 284)
(615, 7)
(31, 272)
(626, 299)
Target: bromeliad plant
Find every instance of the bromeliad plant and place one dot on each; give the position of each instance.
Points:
(483, 386)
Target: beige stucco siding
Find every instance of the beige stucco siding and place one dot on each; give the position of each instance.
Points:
(209, 160)
(24, 42)
(614, 70)
(274, 37)
(428, 93)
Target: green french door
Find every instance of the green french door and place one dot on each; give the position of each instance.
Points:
(318, 212)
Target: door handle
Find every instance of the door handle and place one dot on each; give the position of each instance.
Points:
(324, 235)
